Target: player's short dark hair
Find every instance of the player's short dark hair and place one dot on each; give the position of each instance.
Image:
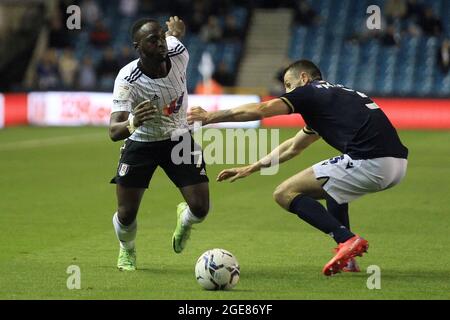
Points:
(138, 24)
(305, 66)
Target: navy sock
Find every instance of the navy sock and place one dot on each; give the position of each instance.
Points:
(339, 211)
(311, 211)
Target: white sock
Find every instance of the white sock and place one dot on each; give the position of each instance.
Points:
(188, 218)
(125, 234)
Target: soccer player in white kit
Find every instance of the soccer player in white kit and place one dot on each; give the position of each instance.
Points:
(149, 112)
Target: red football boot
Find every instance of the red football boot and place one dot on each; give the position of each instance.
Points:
(351, 248)
(352, 266)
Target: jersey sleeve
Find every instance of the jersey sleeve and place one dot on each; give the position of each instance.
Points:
(123, 96)
(298, 99)
(308, 130)
(177, 52)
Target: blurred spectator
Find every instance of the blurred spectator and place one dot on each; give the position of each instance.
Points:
(87, 79)
(223, 76)
(107, 69)
(395, 10)
(128, 8)
(195, 22)
(231, 30)
(210, 86)
(220, 7)
(413, 29)
(180, 7)
(47, 72)
(275, 3)
(58, 36)
(211, 31)
(415, 10)
(198, 18)
(207, 7)
(390, 37)
(126, 56)
(444, 56)
(100, 35)
(431, 24)
(304, 14)
(90, 11)
(146, 7)
(367, 34)
(68, 67)
(3, 25)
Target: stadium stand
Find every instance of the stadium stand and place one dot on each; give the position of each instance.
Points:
(403, 59)
(409, 68)
(225, 51)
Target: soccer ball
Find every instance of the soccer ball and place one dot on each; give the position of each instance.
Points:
(217, 269)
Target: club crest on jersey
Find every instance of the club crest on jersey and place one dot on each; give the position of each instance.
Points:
(174, 106)
(122, 92)
(123, 169)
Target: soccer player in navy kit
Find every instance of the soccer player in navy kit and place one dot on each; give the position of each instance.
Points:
(373, 157)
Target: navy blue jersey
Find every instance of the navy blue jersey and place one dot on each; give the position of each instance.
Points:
(347, 120)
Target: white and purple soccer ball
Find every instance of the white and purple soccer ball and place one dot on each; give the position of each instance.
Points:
(217, 269)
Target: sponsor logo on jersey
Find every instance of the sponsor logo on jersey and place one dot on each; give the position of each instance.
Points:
(155, 97)
(174, 106)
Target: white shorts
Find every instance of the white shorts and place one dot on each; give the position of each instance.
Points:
(349, 179)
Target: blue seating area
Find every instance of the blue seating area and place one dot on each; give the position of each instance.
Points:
(227, 52)
(409, 69)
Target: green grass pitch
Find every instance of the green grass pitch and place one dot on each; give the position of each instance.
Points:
(56, 207)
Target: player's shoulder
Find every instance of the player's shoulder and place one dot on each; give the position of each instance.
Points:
(130, 72)
(317, 89)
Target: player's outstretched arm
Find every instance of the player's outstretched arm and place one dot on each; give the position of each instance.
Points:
(175, 27)
(246, 112)
(284, 152)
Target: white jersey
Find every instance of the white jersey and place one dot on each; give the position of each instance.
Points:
(169, 94)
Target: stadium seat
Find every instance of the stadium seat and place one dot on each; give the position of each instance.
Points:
(409, 69)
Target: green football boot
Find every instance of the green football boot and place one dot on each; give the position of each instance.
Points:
(127, 260)
(182, 233)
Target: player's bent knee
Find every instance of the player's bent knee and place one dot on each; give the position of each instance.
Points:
(278, 195)
(283, 196)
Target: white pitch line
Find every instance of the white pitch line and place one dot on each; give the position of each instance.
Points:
(44, 142)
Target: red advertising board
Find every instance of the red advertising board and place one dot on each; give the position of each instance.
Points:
(15, 109)
(87, 108)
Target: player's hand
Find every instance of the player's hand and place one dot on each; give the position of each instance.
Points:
(197, 114)
(175, 27)
(234, 173)
(144, 111)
